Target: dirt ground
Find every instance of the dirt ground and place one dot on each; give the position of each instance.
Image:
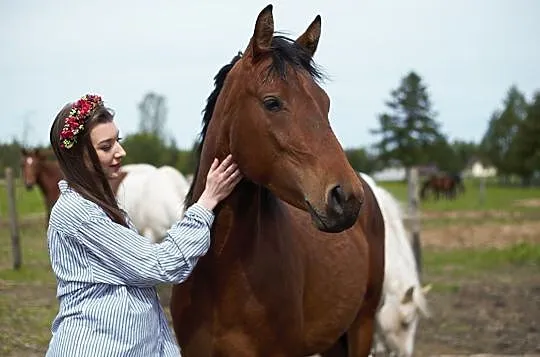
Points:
(496, 235)
(492, 312)
(496, 312)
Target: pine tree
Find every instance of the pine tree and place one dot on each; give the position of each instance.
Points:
(409, 129)
(527, 141)
(503, 126)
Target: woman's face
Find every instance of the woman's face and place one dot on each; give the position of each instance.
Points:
(105, 140)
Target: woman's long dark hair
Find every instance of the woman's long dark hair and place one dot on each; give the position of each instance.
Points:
(80, 164)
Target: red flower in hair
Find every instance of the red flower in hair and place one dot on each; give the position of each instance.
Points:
(78, 115)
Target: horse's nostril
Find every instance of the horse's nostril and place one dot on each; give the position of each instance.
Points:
(336, 198)
(338, 195)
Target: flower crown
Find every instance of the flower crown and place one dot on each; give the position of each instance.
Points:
(76, 119)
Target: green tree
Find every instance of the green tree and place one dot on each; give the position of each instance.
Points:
(464, 152)
(10, 156)
(441, 153)
(526, 145)
(362, 160)
(173, 154)
(502, 129)
(145, 148)
(409, 130)
(184, 162)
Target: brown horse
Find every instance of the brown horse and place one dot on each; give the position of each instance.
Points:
(442, 184)
(36, 169)
(297, 253)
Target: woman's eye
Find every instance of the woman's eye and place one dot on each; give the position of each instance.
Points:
(272, 104)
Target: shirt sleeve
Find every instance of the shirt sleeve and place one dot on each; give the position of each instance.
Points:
(119, 255)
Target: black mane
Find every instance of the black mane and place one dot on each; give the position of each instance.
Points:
(286, 53)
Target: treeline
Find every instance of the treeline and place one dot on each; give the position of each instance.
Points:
(408, 134)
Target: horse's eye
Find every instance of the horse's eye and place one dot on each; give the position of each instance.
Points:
(272, 104)
(405, 325)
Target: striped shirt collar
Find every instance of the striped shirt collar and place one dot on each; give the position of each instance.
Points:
(64, 186)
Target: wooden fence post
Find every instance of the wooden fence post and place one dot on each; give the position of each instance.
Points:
(482, 190)
(414, 216)
(13, 222)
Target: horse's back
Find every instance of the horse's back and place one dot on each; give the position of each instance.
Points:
(164, 194)
(138, 167)
(177, 178)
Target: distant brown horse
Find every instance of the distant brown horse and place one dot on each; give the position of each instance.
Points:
(297, 250)
(442, 184)
(36, 169)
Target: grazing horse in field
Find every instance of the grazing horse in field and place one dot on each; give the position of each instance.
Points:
(296, 261)
(37, 170)
(404, 299)
(442, 184)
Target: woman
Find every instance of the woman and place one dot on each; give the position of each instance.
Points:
(106, 271)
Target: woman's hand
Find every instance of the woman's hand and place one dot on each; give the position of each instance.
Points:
(220, 181)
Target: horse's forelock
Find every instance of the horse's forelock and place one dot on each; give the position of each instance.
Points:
(286, 53)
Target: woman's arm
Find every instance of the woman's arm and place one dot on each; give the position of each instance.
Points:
(124, 257)
(121, 256)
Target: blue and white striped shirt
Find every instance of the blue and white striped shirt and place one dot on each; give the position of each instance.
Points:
(106, 277)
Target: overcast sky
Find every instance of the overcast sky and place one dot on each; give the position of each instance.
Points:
(468, 52)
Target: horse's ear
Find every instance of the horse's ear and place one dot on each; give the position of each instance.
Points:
(24, 151)
(310, 39)
(408, 297)
(264, 31)
(426, 289)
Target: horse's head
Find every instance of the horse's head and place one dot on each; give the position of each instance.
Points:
(30, 166)
(397, 320)
(272, 115)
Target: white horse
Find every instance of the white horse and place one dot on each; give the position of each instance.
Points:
(153, 198)
(129, 190)
(138, 168)
(403, 299)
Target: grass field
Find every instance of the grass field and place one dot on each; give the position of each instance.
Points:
(27, 202)
(486, 295)
(495, 198)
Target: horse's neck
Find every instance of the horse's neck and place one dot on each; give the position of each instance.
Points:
(239, 217)
(243, 217)
(48, 178)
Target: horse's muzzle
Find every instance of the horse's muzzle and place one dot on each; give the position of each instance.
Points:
(341, 211)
